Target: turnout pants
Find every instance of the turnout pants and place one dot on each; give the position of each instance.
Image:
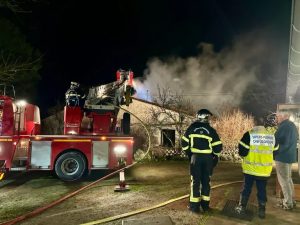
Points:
(201, 170)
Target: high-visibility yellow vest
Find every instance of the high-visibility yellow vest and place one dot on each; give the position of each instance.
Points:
(259, 160)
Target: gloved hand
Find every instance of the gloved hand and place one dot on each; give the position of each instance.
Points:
(189, 155)
(215, 160)
(193, 159)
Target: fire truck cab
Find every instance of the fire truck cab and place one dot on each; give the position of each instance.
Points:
(90, 140)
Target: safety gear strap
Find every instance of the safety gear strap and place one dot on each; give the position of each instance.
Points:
(205, 198)
(192, 198)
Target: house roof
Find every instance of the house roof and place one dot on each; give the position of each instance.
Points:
(158, 105)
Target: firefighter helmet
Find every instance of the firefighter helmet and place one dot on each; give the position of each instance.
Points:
(74, 84)
(270, 120)
(203, 115)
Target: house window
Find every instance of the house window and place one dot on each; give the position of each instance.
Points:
(168, 138)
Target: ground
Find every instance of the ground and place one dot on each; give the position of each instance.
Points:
(150, 184)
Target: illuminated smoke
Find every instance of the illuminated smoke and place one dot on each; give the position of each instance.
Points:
(211, 78)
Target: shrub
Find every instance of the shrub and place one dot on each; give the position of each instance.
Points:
(231, 125)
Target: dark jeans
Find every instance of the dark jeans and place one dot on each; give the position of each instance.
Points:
(261, 184)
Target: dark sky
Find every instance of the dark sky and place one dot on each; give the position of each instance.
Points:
(87, 41)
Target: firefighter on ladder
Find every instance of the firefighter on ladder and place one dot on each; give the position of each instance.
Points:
(203, 146)
(72, 95)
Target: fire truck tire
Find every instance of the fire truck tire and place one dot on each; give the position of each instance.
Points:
(70, 166)
(126, 123)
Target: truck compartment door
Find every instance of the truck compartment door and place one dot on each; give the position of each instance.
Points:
(41, 155)
(100, 154)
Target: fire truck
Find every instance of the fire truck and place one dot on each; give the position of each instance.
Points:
(90, 139)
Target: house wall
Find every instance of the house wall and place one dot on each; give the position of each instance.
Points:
(142, 110)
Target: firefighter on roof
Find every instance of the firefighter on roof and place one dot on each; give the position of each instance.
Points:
(72, 95)
(203, 146)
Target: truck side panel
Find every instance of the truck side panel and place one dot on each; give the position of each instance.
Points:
(6, 152)
(60, 145)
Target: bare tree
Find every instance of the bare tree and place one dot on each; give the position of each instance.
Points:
(17, 6)
(10, 67)
(172, 110)
(19, 60)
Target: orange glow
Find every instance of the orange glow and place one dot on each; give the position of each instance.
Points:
(120, 140)
(6, 139)
(103, 138)
(24, 142)
(71, 140)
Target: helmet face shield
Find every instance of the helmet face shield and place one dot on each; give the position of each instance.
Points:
(74, 84)
(203, 115)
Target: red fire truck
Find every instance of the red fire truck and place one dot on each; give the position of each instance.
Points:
(89, 140)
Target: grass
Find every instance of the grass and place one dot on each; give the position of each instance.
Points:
(150, 183)
(34, 193)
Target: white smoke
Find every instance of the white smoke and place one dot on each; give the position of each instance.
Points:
(210, 78)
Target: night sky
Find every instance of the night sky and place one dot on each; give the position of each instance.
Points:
(87, 41)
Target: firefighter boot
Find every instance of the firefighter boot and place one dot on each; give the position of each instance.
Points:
(262, 210)
(205, 206)
(194, 207)
(241, 208)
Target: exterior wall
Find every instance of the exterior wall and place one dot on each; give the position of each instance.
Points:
(293, 72)
(142, 110)
(139, 108)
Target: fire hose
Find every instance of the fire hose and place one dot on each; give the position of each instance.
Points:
(1, 175)
(2, 171)
(56, 202)
(109, 219)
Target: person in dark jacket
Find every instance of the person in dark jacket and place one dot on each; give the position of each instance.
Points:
(287, 136)
(256, 148)
(202, 145)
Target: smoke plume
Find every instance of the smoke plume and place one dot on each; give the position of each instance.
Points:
(211, 78)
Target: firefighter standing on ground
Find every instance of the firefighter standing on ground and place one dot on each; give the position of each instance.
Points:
(256, 149)
(203, 146)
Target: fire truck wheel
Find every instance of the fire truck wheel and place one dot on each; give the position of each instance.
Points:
(70, 166)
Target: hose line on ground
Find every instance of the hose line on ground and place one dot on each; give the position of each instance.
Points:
(109, 219)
